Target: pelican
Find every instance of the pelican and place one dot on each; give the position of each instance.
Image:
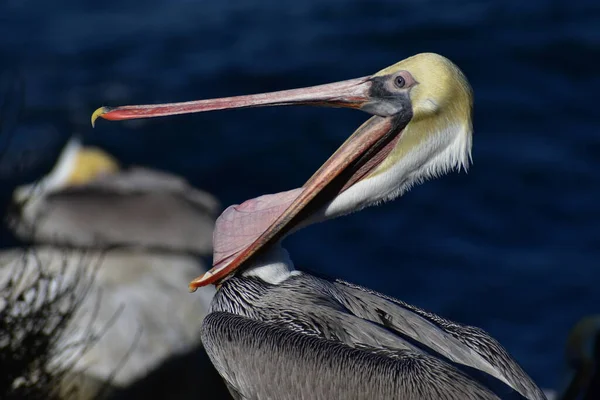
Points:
(117, 233)
(275, 332)
(582, 355)
(89, 201)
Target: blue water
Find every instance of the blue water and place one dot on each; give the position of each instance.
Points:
(513, 246)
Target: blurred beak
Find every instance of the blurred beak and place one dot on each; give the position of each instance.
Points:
(353, 93)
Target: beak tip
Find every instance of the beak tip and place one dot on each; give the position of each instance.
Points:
(202, 280)
(99, 113)
(196, 283)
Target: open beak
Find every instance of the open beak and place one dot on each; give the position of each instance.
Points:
(345, 167)
(359, 155)
(353, 93)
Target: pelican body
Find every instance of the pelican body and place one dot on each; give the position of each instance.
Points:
(274, 332)
(109, 232)
(89, 201)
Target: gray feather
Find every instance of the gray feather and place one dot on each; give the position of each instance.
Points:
(264, 361)
(337, 315)
(137, 207)
(462, 344)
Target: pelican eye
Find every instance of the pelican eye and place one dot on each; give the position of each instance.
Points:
(399, 81)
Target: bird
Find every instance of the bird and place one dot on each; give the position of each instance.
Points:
(275, 331)
(89, 201)
(129, 238)
(582, 356)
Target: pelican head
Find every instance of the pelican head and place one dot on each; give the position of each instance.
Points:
(76, 165)
(421, 128)
(437, 101)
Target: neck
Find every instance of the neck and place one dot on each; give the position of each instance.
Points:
(64, 167)
(421, 153)
(56, 178)
(272, 266)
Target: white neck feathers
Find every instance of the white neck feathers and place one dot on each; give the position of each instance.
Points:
(272, 266)
(57, 178)
(438, 154)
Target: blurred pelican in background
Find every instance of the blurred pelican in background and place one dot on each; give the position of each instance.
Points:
(582, 356)
(88, 201)
(137, 234)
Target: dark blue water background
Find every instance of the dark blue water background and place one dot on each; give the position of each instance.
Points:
(513, 246)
